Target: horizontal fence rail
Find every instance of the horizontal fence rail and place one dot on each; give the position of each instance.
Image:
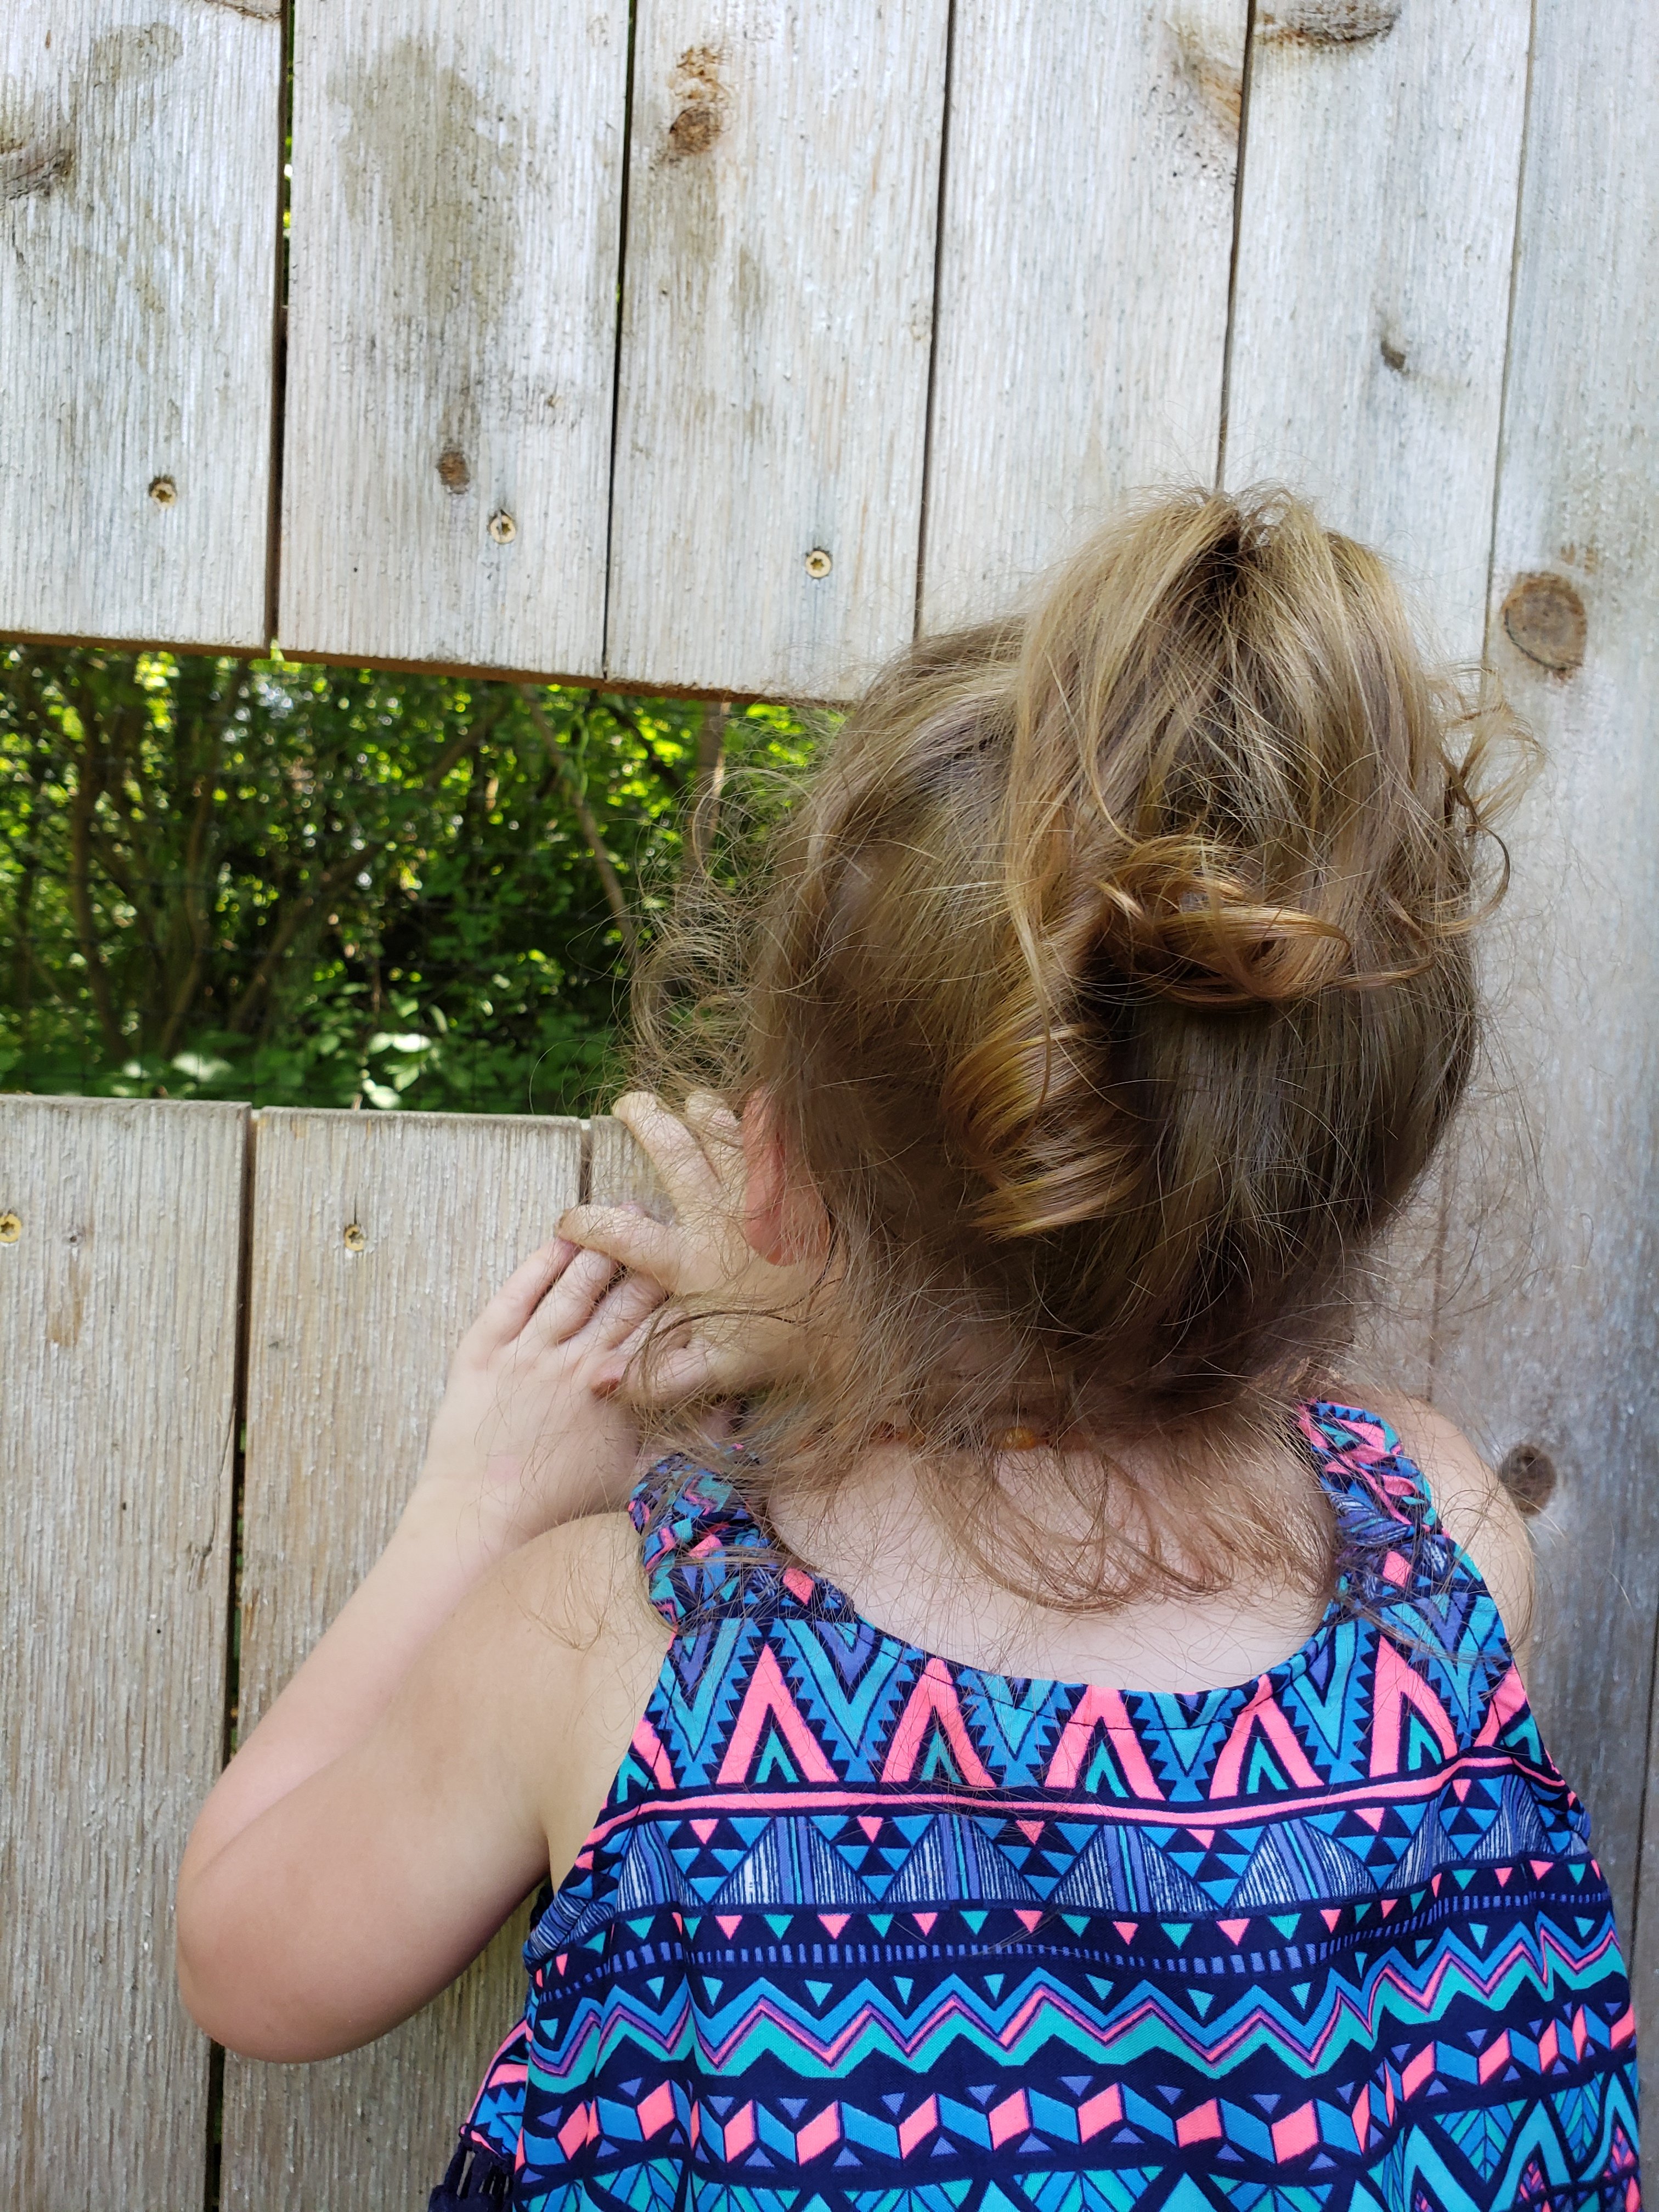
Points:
(711, 343)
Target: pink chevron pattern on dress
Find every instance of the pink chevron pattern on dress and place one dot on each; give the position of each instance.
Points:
(861, 1929)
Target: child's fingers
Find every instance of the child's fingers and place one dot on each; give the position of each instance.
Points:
(686, 1173)
(720, 1133)
(619, 1314)
(507, 1312)
(569, 1304)
(631, 1239)
(677, 1371)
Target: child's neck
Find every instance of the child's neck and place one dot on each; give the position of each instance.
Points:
(880, 1538)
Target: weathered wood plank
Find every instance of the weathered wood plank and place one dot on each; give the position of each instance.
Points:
(1568, 1360)
(1083, 255)
(140, 155)
(1377, 226)
(777, 324)
(118, 1267)
(347, 1352)
(452, 331)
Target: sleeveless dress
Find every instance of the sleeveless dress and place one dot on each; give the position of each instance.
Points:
(861, 1929)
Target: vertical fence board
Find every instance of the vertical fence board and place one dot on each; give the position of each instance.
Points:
(1377, 226)
(452, 337)
(346, 1360)
(1073, 364)
(140, 145)
(118, 1348)
(1568, 1359)
(777, 326)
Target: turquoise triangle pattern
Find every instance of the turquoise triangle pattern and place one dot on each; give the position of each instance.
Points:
(859, 1929)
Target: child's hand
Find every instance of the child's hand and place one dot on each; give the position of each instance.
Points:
(705, 1257)
(531, 1427)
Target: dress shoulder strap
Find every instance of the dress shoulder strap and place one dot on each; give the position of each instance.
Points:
(1391, 1546)
(700, 1546)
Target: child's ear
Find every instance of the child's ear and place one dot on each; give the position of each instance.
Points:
(782, 1223)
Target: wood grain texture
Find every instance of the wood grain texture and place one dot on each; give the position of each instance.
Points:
(140, 153)
(1376, 227)
(118, 1348)
(347, 1352)
(777, 326)
(1083, 255)
(1570, 1360)
(452, 331)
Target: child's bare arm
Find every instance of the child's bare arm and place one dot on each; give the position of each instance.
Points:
(527, 1439)
(360, 1893)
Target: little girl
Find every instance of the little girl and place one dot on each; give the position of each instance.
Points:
(1003, 1728)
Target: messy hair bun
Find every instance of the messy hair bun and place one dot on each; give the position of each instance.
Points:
(1111, 983)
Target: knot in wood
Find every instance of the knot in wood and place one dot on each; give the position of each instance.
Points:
(1528, 1473)
(1544, 617)
(1326, 22)
(696, 127)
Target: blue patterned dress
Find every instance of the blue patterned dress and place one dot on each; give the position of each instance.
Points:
(860, 1929)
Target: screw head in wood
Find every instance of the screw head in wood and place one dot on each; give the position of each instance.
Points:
(163, 490)
(354, 1237)
(10, 1228)
(1544, 617)
(453, 473)
(818, 562)
(1528, 1473)
(503, 528)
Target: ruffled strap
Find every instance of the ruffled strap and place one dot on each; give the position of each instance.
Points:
(699, 1544)
(1390, 1543)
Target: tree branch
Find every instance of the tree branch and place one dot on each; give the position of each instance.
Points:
(589, 822)
(207, 792)
(289, 921)
(711, 776)
(80, 891)
(673, 777)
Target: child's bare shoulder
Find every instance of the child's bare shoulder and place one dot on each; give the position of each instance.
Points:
(1477, 1511)
(568, 1618)
(574, 1600)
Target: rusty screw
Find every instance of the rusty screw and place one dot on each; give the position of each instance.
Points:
(503, 528)
(453, 474)
(163, 490)
(353, 1237)
(10, 1228)
(1528, 1473)
(1544, 618)
(818, 562)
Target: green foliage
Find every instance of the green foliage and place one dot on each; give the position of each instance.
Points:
(311, 886)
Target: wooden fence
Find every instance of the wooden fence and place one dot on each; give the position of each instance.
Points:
(202, 1309)
(714, 358)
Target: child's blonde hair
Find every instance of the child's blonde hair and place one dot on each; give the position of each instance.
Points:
(1111, 984)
